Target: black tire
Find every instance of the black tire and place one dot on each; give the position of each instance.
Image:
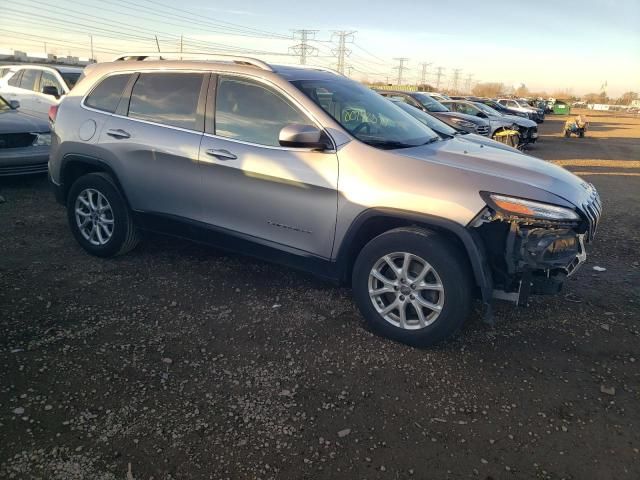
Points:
(125, 235)
(581, 134)
(449, 263)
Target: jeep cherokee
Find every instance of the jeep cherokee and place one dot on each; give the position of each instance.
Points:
(305, 167)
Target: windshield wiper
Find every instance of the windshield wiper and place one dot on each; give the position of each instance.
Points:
(387, 144)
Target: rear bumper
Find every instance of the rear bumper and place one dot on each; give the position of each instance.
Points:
(23, 161)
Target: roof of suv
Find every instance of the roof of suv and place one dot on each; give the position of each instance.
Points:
(288, 72)
(59, 68)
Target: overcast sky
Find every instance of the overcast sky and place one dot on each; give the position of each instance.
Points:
(543, 44)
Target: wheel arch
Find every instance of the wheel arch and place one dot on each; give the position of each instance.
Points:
(74, 166)
(373, 222)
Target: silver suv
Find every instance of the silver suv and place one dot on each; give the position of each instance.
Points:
(306, 167)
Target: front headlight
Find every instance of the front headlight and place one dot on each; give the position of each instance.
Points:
(528, 208)
(463, 123)
(42, 139)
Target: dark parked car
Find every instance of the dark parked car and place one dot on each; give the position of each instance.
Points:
(447, 131)
(426, 103)
(24, 141)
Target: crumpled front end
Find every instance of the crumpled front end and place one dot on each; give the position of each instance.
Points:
(534, 256)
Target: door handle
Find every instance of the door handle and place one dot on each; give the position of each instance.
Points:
(118, 133)
(221, 154)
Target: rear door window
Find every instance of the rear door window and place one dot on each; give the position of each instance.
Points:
(167, 98)
(106, 95)
(29, 80)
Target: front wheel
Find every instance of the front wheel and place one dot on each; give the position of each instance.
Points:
(99, 217)
(412, 286)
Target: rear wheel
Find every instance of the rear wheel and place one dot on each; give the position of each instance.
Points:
(412, 286)
(99, 217)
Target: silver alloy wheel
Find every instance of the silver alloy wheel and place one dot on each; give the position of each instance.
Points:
(94, 216)
(406, 290)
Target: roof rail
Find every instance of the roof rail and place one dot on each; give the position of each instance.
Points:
(140, 56)
(311, 67)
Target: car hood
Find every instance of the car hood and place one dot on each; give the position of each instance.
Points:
(14, 121)
(487, 142)
(504, 170)
(464, 116)
(523, 122)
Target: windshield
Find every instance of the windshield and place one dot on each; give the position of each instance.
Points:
(366, 115)
(431, 122)
(4, 105)
(430, 103)
(488, 110)
(70, 78)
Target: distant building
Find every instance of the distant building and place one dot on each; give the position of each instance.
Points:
(18, 56)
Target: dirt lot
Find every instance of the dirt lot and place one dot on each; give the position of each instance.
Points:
(179, 361)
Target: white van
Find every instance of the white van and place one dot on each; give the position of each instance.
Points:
(38, 87)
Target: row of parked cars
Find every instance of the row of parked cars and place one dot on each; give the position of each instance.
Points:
(482, 116)
(306, 167)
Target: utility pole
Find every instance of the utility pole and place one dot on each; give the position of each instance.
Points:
(456, 78)
(423, 77)
(351, 68)
(401, 68)
(181, 46)
(157, 43)
(468, 83)
(439, 76)
(91, 38)
(344, 37)
(303, 49)
(45, 48)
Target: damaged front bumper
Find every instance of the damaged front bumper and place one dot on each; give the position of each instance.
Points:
(529, 256)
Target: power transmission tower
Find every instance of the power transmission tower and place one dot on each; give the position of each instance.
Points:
(344, 37)
(468, 83)
(423, 77)
(401, 68)
(439, 76)
(456, 78)
(303, 49)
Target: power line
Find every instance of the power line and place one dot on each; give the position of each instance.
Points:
(423, 76)
(303, 49)
(342, 51)
(401, 68)
(439, 76)
(456, 77)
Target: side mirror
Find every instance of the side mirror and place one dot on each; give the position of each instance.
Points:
(15, 104)
(51, 90)
(302, 136)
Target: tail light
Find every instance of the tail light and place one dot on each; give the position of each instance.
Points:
(53, 113)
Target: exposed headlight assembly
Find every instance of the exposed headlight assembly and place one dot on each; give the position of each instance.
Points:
(42, 139)
(521, 207)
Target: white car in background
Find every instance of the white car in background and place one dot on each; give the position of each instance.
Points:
(37, 87)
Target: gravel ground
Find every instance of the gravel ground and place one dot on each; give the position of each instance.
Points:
(180, 361)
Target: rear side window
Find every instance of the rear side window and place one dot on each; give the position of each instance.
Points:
(107, 94)
(14, 81)
(48, 80)
(167, 98)
(30, 79)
